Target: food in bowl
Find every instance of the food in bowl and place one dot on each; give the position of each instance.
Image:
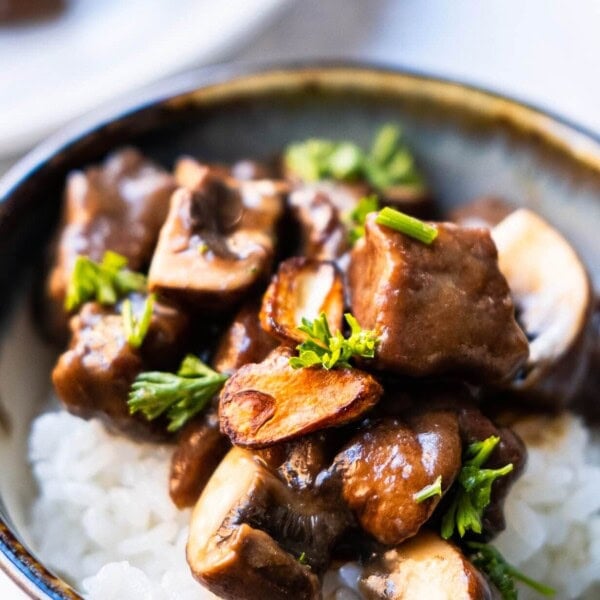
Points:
(344, 382)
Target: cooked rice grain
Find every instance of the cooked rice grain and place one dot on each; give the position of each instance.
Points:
(103, 518)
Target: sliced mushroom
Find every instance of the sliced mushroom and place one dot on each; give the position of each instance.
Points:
(302, 288)
(439, 308)
(248, 530)
(217, 242)
(200, 448)
(485, 211)
(385, 466)
(424, 567)
(552, 292)
(321, 209)
(244, 341)
(270, 402)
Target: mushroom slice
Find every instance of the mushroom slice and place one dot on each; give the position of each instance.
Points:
(386, 465)
(218, 240)
(553, 296)
(248, 529)
(302, 288)
(270, 402)
(424, 567)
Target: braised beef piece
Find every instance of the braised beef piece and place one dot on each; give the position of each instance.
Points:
(243, 342)
(443, 308)
(485, 211)
(322, 209)
(119, 205)
(218, 241)
(387, 463)
(200, 448)
(92, 378)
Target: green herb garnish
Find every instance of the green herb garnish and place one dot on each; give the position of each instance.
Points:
(399, 221)
(502, 574)
(105, 281)
(180, 396)
(137, 328)
(429, 491)
(358, 216)
(302, 559)
(473, 489)
(329, 350)
(389, 162)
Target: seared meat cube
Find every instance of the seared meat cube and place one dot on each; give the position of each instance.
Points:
(270, 402)
(439, 308)
(244, 342)
(424, 567)
(217, 242)
(387, 464)
(321, 209)
(200, 448)
(119, 206)
(302, 288)
(486, 211)
(93, 377)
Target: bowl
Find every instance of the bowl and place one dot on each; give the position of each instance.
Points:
(469, 142)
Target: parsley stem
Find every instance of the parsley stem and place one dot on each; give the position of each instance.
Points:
(399, 221)
(429, 491)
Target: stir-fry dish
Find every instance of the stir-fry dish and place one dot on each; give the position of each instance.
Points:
(337, 363)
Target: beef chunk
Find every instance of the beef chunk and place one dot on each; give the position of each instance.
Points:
(386, 464)
(439, 308)
(93, 377)
(200, 448)
(119, 206)
(244, 342)
(486, 211)
(217, 242)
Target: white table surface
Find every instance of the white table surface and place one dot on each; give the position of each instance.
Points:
(543, 51)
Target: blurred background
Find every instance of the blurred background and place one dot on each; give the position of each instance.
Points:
(62, 58)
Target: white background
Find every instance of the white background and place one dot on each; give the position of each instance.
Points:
(543, 51)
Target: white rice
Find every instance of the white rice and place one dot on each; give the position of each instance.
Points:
(103, 518)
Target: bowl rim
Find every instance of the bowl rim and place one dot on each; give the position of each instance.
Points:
(581, 144)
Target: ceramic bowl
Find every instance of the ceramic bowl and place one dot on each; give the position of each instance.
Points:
(469, 142)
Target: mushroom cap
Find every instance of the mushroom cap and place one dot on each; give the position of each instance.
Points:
(231, 557)
(552, 291)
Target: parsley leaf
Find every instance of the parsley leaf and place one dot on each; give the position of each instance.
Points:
(329, 350)
(388, 163)
(501, 573)
(357, 217)
(105, 281)
(472, 490)
(137, 328)
(180, 396)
